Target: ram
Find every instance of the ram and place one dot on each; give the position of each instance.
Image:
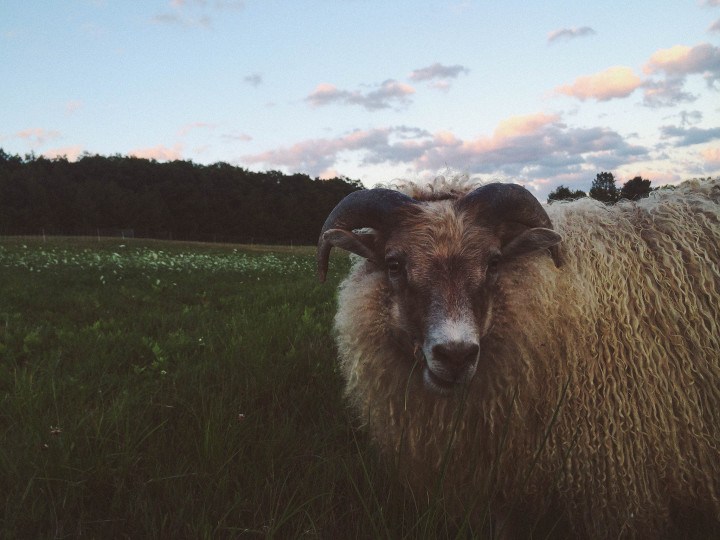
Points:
(559, 365)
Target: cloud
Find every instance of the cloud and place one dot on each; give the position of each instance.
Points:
(93, 29)
(196, 125)
(70, 152)
(459, 8)
(569, 33)
(614, 82)
(657, 177)
(675, 64)
(203, 21)
(523, 125)
(167, 18)
(437, 71)
(72, 106)
(689, 136)
(229, 4)
(443, 86)
(37, 136)
(325, 94)
(665, 93)
(254, 79)
(388, 94)
(195, 12)
(527, 148)
(714, 27)
(241, 137)
(680, 60)
(552, 147)
(688, 118)
(329, 174)
(711, 156)
(159, 153)
(315, 156)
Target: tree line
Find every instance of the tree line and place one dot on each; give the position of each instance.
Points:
(183, 200)
(605, 190)
(178, 200)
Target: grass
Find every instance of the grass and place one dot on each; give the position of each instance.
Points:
(164, 390)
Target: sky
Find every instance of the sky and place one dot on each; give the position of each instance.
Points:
(536, 92)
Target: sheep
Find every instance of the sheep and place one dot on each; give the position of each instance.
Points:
(560, 364)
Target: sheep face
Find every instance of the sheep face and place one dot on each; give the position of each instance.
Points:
(441, 275)
(439, 263)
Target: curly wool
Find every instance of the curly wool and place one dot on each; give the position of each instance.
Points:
(451, 185)
(599, 396)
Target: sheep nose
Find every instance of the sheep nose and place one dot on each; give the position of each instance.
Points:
(456, 354)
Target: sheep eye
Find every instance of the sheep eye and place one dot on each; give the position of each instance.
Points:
(394, 266)
(492, 267)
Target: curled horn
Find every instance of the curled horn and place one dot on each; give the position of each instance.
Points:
(371, 208)
(509, 203)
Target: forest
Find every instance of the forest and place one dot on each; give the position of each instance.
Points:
(178, 200)
(182, 200)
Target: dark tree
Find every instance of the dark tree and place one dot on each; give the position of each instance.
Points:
(179, 200)
(562, 193)
(635, 189)
(603, 188)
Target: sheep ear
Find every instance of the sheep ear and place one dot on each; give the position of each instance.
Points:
(532, 240)
(362, 244)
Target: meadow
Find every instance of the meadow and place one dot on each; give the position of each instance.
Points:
(165, 390)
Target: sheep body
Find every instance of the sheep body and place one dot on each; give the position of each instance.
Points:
(599, 395)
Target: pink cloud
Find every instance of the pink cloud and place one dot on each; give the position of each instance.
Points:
(241, 137)
(657, 178)
(324, 94)
(505, 139)
(443, 86)
(72, 106)
(614, 82)
(329, 174)
(667, 59)
(317, 155)
(38, 135)
(677, 63)
(445, 138)
(69, 152)
(188, 127)
(711, 155)
(524, 125)
(387, 94)
(681, 60)
(534, 146)
(159, 153)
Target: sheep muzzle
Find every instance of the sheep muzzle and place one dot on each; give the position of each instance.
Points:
(452, 352)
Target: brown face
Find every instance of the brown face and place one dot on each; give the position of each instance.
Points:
(440, 260)
(441, 270)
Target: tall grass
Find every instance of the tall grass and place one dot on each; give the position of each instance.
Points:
(160, 390)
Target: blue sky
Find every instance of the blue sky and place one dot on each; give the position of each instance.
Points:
(536, 92)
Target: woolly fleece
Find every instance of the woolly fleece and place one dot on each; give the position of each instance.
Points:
(598, 394)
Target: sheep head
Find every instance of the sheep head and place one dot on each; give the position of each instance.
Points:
(440, 263)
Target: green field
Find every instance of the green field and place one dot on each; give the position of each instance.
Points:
(166, 390)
